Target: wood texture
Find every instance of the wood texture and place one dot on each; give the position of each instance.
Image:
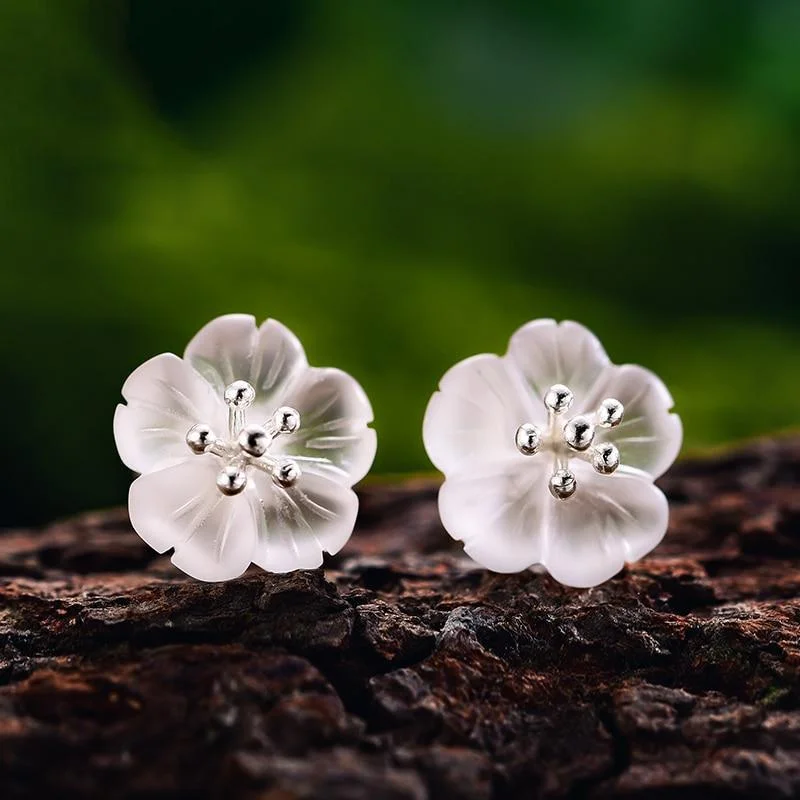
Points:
(406, 672)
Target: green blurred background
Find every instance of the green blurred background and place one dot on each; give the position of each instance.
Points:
(402, 184)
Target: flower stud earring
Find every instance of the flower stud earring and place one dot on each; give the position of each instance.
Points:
(246, 453)
(550, 453)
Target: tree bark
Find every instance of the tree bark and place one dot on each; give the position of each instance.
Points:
(404, 671)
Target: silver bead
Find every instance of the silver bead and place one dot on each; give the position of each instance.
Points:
(528, 439)
(199, 437)
(254, 440)
(558, 398)
(240, 394)
(610, 412)
(286, 474)
(579, 433)
(562, 484)
(231, 480)
(286, 419)
(605, 458)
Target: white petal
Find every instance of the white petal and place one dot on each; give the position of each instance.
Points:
(165, 398)
(296, 525)
(333, 440)
(649, 436)
(548, 352)
(232, 348)
(609, 520)
(214, 536)
(499, 512)
(474, 416)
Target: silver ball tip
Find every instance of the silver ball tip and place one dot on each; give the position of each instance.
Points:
(610, 413)
(254, 440)
(605, 458)
(286, 419)
(286, 474)
(239, 394)
(231, 480)
(199, 437)
(579, 433)
(528, 439)
(558, 398)
(562, 484)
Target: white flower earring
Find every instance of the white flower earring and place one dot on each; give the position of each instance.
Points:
(550, 453)
(246, 453)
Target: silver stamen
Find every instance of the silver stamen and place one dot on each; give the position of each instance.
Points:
(605, 458)
(286, 473)
(579, 433)
(199, 437)
(610, 412)
(562, 484)
(558, 398)
(528, 439)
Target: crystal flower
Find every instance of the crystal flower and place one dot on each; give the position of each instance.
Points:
(246, 453)
(550, 453)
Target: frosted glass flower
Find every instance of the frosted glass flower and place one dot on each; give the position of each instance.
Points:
(246, 453)
(550, 453)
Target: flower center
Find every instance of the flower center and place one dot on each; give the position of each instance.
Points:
(247, 446)
(574, 438)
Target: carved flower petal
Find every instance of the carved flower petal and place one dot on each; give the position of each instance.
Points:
(297, 524)
(165, 398)
(214, 536)
(508, 520)
(474, 416)
(334, 440)
(548, 352)
(649, 436)
(500, 512)
(609, 520)
(232, 348)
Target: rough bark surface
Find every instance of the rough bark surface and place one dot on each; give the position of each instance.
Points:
(403, 671)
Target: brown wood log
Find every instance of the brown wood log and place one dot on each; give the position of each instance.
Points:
(403, 671)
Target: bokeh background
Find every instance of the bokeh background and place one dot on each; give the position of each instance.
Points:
(403, 184)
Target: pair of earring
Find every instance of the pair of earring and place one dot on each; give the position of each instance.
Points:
(248, 454)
